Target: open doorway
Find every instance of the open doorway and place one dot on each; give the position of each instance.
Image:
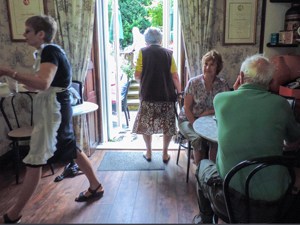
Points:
(117, 23)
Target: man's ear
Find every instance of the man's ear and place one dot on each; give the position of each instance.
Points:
(41, 34)
(242, 75)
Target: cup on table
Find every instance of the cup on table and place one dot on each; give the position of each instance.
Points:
(12, 84)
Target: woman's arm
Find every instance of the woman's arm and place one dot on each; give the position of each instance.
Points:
(188, 104)
(137, 76)
(176, 82)
(40, 80)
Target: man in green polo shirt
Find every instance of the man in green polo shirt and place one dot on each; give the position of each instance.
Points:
(252, 122)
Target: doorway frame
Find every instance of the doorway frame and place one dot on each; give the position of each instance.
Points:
(102, 60)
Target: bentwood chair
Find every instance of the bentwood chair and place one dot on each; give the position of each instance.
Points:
(76, 90)
(17, 111)
(125, 109)
(182, 141)
(255, 211)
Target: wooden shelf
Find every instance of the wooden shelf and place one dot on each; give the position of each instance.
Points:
(282, 45)
(281, 1)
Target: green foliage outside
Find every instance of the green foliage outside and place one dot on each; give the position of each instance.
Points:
(155, 14)
(135, 13)
(138, 13)
(129, 70)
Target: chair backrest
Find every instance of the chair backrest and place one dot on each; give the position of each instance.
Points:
(124, 93)
(254, 206)
(292, 102)
(17, 110)
(77, 86)
(179, 104)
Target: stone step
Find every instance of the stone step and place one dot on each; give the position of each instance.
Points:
(133, 101)
(133, 104)
(134, 86)
(133, 94)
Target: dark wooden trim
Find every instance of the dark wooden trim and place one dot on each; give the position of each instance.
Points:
(262, 28)
(281, 1)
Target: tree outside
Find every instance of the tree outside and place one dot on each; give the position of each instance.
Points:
(138, 13)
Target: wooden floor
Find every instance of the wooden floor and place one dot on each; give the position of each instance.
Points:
(130, 196)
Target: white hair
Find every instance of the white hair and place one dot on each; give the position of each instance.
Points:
(153, 36)
(257, 69)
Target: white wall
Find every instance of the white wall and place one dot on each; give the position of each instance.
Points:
(275, 14)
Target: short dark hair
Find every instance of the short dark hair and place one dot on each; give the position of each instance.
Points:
(44, 23)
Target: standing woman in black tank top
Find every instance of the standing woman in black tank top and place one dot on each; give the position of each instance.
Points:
(53, 138)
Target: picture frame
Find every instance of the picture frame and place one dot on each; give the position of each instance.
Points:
(18, 12)
(240, 22)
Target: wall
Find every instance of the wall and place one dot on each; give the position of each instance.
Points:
(275, 13)
(13, 54)
(233, 55)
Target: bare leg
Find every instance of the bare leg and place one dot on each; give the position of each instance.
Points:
(166, 141)
(148, 142)
(198, 156)
(213, 151)
(86, 167)
(30, 183)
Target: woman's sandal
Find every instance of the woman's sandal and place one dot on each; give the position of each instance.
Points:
(94, 194)
(8, 220)
(166, 160)
(148, 159)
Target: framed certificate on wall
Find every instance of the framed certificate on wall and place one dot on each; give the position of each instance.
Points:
(240, 21)
(18, 12)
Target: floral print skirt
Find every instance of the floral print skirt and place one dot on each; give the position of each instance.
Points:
(155, 118)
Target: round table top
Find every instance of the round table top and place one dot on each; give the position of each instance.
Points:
(84, 108)
(206, 127)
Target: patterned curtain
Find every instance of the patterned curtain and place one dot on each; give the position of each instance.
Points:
(197, 21)
(75, 34)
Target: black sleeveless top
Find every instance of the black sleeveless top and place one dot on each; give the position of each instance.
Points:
(156, 78)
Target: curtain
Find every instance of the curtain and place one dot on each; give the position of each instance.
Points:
(75, 34)
(197, 21)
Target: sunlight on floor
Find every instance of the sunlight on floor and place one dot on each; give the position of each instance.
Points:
(124, 139)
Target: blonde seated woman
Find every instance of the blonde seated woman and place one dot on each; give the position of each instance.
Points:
(198, 101)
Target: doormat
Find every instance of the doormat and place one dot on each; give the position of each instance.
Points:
(130, 161)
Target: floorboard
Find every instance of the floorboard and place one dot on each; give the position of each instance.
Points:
(157, 196)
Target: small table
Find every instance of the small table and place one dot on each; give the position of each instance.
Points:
(206, 127)
(84, 108)
(72, 169)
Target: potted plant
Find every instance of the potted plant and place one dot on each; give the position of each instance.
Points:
(128, 70)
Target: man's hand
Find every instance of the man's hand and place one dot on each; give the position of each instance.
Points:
(239, 81)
